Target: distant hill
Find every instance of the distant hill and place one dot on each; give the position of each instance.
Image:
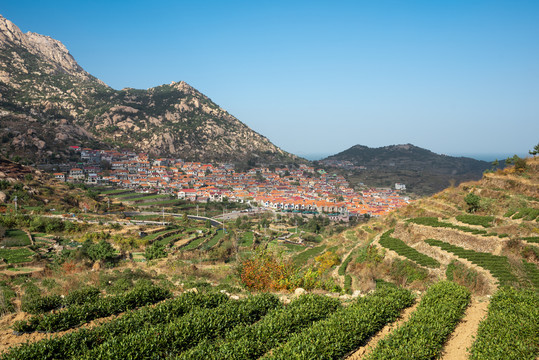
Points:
(486, 227)
(48, 102)
(422, 171)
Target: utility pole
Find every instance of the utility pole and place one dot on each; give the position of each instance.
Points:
(163, 215)
(224, 228)
(15, 201)
(197, 210)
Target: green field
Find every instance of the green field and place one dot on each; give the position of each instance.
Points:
(247, 239)
(214, 240)
(14, 237)
(14, 256)
(302, 257)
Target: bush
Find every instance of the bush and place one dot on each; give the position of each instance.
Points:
(155, 251)
(41, 304)
(424, 334)
(484, 221)
(102, 251)
(405, 272)
(266, 271)
(346, 329)
(82, 296)
(511, 329)
(401, 248)
(472, 201)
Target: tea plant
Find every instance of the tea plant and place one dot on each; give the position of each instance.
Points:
(165, 340)
(511, 329)
(346, 329)
(80, 314)
(79, 342)
(497, 265)
(402, 249)
(424, 334)
(251, 342)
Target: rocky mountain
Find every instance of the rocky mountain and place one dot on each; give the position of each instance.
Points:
(421, 170)
(48, 102)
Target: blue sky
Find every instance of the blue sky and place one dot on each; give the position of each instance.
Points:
(316, 77)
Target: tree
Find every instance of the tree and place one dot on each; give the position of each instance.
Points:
(472, 201)
(101, 251)
(535, 150)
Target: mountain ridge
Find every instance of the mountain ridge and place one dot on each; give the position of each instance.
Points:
(48, 102)
(423, 171)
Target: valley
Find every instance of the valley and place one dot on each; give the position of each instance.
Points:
(153, 224)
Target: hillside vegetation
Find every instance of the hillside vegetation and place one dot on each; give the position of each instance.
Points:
(156, 286)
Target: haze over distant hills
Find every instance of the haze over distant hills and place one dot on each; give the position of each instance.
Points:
(48, 102)
(423, 171)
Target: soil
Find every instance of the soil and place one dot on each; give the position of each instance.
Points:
(463, 337)
(363, 351)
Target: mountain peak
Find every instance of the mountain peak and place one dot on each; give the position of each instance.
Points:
(49, 102)
(47, 48)
(10, 33)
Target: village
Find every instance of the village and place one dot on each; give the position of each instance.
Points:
(301, 189)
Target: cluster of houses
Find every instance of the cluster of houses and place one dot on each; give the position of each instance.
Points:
(299, 189)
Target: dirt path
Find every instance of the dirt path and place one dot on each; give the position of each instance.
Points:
(463, 336)
(363, 351)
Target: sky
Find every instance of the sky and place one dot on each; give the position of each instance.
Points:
(456, 77)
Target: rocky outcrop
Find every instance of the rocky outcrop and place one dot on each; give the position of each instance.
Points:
(43, 89)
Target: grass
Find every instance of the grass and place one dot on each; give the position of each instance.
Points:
(158, 203)
(151, 197)
(247, 239)
(14, 256)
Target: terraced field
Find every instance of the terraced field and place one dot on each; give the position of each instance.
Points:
(213, 326)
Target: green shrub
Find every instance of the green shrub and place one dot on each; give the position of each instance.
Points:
(484, 221)
(82, 296)
(80, 314)
(166, 340)
(405, 272)
(81, 341)
(346, 329)
(497, 265)
(424, 334)
(511, 329)
(473, 202)
(41, 304)
(400, 247)
(253, 341)
(155, 251)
